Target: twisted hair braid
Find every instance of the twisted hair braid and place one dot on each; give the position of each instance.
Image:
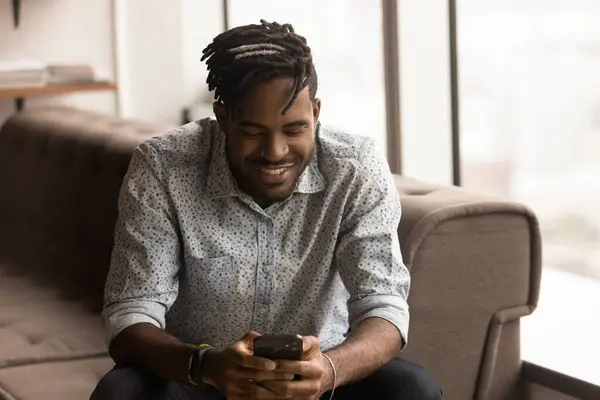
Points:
(242, 57)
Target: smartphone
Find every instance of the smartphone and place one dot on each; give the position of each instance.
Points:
(279, 347)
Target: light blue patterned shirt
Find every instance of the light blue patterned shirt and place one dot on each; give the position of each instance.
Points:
(200, 259)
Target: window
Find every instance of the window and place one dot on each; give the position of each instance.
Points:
(530, 110)
(347, 45)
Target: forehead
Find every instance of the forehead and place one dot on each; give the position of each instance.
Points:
(265, 102)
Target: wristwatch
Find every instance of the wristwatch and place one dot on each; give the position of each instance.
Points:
(196, 365)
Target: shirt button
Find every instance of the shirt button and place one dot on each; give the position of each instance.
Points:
(266, 268)
(262, 310)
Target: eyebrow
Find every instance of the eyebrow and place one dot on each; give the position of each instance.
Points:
(294, 124)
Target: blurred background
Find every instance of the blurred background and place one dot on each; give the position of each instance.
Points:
(503, 99)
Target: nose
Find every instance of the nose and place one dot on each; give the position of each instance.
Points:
(275, 148)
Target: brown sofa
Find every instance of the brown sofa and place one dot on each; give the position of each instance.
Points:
(475, 263)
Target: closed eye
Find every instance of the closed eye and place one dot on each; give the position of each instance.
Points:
(250, 134)
(296, 131)
(295, 128)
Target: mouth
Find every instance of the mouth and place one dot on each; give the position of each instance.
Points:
(275, 175)
(275, 171)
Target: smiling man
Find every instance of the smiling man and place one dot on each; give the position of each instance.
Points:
(261, 221)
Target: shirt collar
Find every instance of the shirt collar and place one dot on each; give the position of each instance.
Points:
(311, 180)
(221, 183)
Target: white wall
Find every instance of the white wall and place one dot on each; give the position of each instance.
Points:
(160, 43)
(61, 31)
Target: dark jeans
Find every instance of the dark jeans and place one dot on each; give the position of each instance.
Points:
(397, 380)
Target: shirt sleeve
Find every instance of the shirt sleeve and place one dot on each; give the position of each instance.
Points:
(142, 282)
(368, 255)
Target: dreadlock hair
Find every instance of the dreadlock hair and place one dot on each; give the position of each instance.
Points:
(242, 57)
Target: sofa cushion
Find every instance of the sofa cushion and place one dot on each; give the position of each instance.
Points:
(64, 380)
(39, 323)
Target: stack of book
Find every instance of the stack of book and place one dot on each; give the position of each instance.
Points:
(22, 73)
(33, 73)
(69, 73)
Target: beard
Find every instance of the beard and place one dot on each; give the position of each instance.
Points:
(265, 195)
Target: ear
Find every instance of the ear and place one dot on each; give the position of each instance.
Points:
(316, 109)
(221, 114)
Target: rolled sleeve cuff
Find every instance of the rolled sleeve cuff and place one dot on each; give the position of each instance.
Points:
(393, 309)
(121, 315)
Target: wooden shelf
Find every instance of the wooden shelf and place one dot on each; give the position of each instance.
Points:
(55, 88)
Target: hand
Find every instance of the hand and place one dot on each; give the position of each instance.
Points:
(236, 372)
(315, 371)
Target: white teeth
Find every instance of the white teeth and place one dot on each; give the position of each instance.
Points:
(278, 171)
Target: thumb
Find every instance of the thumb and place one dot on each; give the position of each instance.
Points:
(247, 342)
(310, 347)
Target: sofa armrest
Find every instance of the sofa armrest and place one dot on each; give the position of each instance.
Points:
(475, 263)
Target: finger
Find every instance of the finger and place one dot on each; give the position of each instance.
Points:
(258, 391)
(307, 369)
(260, 376)
(308, 387)
(259, 363)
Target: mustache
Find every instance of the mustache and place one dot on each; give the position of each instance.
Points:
(263, 162)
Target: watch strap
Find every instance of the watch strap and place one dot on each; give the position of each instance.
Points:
(195, 364)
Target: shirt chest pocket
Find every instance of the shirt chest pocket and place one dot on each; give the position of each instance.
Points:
(212, 283)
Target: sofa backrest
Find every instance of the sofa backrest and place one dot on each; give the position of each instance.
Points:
(60, 174)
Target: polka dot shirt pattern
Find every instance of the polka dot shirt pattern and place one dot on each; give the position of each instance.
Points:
(200, 259)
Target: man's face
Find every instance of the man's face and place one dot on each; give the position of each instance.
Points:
(267, 151)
